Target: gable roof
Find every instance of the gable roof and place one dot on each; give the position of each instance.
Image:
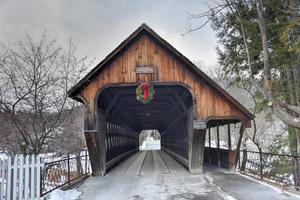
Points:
(138, 32)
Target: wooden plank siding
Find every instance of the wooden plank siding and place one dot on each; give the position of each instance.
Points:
(146, 51)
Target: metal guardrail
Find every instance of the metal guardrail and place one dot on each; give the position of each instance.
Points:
(62, 172)
(279, 168)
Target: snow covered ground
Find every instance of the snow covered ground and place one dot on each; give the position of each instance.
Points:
(149, 175)
(64, 195)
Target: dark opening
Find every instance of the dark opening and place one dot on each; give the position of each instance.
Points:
(127, 117)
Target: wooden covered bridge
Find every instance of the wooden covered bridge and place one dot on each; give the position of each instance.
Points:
(145, 83)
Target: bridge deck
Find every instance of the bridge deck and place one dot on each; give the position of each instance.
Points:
(156, 175)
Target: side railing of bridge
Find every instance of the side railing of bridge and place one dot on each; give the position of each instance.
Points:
(63, 171)
(277, 168)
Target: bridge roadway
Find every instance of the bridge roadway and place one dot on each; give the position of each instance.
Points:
(156, 175)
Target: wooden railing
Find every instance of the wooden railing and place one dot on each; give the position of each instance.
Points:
(279, 168)
(223, 158)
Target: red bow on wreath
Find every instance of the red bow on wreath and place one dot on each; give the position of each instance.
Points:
(145, 93)
(145, 87)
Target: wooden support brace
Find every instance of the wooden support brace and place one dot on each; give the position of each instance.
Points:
(196, 141)
(229, 136)
(218, 146)
(209, 145)
(241, 133)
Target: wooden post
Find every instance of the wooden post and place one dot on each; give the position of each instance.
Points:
(209, 138)
(229, 137)
(91, 142)
(244, 161)
(218, 146)
(209, 145)
(196, 140)
(94, 139)
(241, 133)
(198, 145)
(69, 173)
(101, 122)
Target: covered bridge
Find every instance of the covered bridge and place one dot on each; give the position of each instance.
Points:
(175, 97)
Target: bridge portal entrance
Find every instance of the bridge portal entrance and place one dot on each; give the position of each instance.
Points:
(177, 99)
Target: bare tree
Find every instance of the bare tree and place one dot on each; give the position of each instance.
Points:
(34, 80)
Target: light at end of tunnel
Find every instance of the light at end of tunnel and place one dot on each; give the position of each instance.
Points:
(148, 114)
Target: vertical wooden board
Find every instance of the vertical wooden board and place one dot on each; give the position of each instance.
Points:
(118, 70)
(21, 177)
(183, 74)
(215, 106)
(26, 181)
(162, 66)
(140, 54)
(124, 59)
(32, 175)
(203, 106)
(173, 69)
(38, 177)
(9, 181)
(227, 109)
(145, 51)
(124, 68)
(128, 65)
(168, 67)
(212, 99)
(188, 77)
(113, 72)
(134, 61)
(176, 74)
(2, 176)
(205, 103)
(150, 52)
(209, 109)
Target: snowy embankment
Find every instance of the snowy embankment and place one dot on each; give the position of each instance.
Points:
(64, 195)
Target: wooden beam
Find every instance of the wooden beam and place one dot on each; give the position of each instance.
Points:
(241, 133)
(209, 138)
(229, 136)
(218, 137)
(196, 141)
(91, 143)
(218, 145)
(101, 120)
(209, 145)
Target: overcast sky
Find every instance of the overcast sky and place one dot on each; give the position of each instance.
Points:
(97, 27)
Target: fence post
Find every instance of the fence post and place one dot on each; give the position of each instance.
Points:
(69, 169)
(2, 176)
(261, 164)
(86, 162)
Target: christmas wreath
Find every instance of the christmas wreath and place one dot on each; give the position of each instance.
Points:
(145, 93)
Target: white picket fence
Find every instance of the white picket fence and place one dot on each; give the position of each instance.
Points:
(20, 178)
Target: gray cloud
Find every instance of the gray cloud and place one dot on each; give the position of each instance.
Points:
(97, 27)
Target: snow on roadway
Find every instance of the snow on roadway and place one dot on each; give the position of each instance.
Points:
(147, 176)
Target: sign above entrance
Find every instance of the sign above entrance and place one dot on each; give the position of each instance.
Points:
(200, 125)
(144, 70)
